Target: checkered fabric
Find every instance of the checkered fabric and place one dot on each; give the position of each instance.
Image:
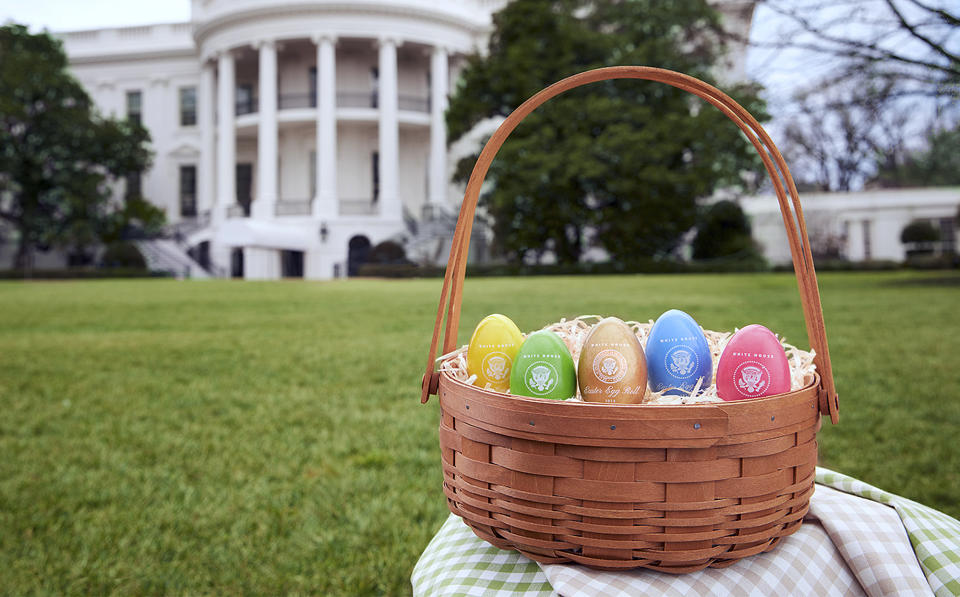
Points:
(934, 535)
(457, 562)
(847, 546)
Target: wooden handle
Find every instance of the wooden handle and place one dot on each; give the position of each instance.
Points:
(450, 295)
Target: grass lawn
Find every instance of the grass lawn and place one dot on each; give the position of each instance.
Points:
(162, 437)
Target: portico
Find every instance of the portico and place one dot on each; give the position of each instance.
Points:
(386, 87)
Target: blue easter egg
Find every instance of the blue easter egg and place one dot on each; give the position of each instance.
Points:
(677, 354)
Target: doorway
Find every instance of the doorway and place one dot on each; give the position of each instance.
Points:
(357, 254)
(236, 263)
(291, 264)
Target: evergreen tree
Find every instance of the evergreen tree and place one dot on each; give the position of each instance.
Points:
(57, 154)
(622, 161)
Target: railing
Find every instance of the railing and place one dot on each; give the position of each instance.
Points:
(359, 207)
(299, 207)
(413, 103)
(345, 99)
(249, 106)
(357, 99)
(292, 101)
(188, 225)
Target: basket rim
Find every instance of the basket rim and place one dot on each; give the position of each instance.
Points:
(812, 379)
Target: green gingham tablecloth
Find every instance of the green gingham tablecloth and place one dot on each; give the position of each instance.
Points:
(856, 540)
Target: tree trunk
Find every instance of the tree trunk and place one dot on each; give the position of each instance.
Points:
(24, 258)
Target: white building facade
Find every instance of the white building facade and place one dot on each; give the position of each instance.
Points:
(858, 226)
(291, 137)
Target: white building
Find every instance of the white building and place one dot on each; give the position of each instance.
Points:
(290, 137)
(858, 226)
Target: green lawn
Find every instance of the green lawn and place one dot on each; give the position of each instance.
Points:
(162, 437)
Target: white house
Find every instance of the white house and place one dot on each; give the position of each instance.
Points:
(859, 226)
(291, 136)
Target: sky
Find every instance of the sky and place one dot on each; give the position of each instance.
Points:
(71, 15)
(780, 72)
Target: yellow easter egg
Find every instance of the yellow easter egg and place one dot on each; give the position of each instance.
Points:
(492, 348)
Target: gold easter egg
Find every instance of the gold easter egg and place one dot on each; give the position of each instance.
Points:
(612, 366)
(491, 351)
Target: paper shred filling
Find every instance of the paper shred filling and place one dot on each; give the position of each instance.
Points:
(573, 332)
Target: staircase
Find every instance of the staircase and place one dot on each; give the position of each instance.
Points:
(165, 255)
(430, 238)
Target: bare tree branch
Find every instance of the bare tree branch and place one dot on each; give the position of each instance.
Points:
(936, 47)
(861, 49)
(945, 16)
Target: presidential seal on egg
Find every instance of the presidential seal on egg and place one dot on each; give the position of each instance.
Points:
(491, 351)
(543, 368)
(678, 356)
(753, 365)
(612, 366)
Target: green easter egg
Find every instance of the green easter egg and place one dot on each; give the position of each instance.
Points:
(543, 368)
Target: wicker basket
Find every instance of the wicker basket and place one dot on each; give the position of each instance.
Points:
(672, 488)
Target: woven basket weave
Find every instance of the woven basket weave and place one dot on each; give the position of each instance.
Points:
(673, 488)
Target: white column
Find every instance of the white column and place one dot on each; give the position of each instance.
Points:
(390, 206)
(261, 264)
(265, 204)
(227, 137)
(205, 122)
(439, 75)
(325, 203)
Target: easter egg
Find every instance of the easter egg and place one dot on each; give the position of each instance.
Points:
(612, 366)
(543, 368)
(678, 355)
(753, 364)
(491, 352)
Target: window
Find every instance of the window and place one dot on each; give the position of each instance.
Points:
(375, 162)
(313, 174)
(867, 241)
(246, 104)
(188, 191)
(374, 86)
(188, 106)
(134, 186)
(134, 106)
(313, 86)
(948, 237)
(245, 187)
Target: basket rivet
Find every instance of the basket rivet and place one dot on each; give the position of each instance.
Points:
(531, 423)
(773, 417)
(696, 425)
(468, 407)
(613, 427)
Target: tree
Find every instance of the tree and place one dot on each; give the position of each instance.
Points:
(58, 156)
(938, 164)
(876, 74)
(618, 163)
(839, 133)
(911, 44)
(723, 231)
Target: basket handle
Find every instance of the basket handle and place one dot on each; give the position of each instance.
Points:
(772, 159)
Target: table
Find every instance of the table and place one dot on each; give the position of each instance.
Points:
(856, 540)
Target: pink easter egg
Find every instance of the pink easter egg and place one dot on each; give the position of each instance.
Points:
(753, 364)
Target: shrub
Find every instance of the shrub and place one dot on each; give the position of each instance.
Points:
(388, 252)
(723, 231)
(919, 231)
(123, 254)
(81, 273)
